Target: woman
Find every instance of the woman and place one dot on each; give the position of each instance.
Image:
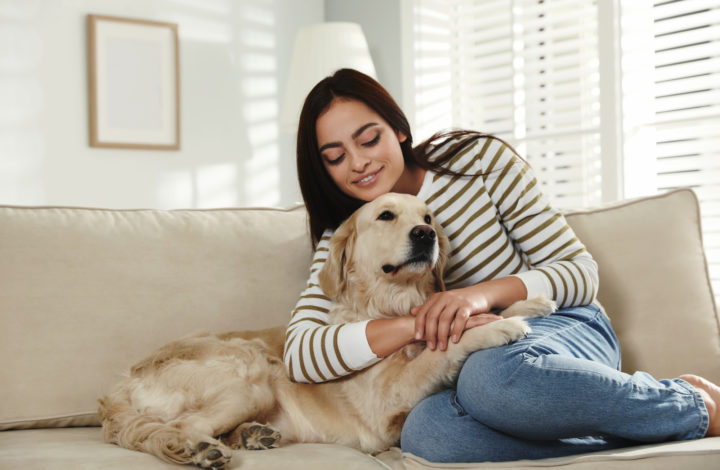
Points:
(543, 396)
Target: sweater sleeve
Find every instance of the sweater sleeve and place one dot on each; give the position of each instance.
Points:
(316, 351)
(560, 266)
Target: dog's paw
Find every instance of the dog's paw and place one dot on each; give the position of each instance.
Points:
(497, 333)
(513, 329)
(539, 306)
(256, 436)
(211, 455)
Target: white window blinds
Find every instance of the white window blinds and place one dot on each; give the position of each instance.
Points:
(604, 98)
(526, 71)
(672, 105)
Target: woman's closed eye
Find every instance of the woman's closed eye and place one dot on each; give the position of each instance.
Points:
(372, 141)
(335, 159)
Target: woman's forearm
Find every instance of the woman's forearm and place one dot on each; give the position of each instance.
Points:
(503, 292)
(387, 335)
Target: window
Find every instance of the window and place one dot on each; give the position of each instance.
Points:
(605, 98)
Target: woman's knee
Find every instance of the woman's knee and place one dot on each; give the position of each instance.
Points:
(429, 426)
(488, 370)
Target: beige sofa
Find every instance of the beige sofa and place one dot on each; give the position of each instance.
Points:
(84, 293)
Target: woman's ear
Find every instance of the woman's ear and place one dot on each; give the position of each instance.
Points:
(401, 137)
(444, 245)
(333, 276)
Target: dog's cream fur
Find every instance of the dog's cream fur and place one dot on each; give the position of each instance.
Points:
(194, 399)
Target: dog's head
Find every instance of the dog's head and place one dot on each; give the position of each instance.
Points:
(393, 240)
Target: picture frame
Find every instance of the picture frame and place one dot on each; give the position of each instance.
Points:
(133, 83)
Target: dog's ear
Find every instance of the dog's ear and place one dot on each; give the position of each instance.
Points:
(333, 276)
(444, 245)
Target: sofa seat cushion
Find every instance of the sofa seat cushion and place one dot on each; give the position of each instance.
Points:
(83, 448)
(698, 454)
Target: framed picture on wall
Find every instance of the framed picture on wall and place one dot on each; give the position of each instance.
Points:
(133, 83)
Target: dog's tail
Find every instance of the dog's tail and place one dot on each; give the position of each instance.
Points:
(123, 425)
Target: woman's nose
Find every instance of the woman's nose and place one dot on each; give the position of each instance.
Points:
(358, 162)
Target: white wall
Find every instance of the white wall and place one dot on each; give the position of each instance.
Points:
(235, 56)
(382, 25)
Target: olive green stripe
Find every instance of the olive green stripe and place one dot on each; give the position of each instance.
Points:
(312, 355)
(572, 255)
(315, 296)
(519, 267)
(565, 245)
(516, 181)
(288, 344)
(292, 371)
(501, 267)
(548, 241)
(511, 213)
(463, 209)
(574, 281)
(527, 220)
(310, 319)
(310, 308)
(462, 153)
(496, 158)
(337, 350)
(325, 354)
(539, 228)
(302, 361)
(480, 212)
(448, 151)
(552, 283)
(565, 289)
(473, 236)
(455, 197)
(499, 179)
(487, 261)
(473, 253)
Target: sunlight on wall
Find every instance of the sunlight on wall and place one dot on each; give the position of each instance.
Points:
(259, 88)
(21, 105)
(250, 177)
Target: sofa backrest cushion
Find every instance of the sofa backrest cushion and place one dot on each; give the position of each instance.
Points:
(86, 293)
(654, 283)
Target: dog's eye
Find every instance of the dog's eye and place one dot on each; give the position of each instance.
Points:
(428, 219)
(386, 215)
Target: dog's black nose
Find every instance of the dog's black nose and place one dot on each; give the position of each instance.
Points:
(422, 233)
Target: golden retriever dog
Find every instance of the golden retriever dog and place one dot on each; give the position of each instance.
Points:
(196, 399)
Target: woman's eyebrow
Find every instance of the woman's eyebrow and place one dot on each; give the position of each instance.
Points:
(354, 136)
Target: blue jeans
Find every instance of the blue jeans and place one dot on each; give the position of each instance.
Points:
(557, 392)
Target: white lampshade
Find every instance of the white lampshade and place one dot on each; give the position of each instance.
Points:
(320, 50)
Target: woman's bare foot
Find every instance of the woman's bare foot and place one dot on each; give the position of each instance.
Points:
(711, 396)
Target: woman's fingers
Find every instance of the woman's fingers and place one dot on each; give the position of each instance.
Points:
(481, 319)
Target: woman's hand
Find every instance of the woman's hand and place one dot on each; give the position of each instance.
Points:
(447, 314)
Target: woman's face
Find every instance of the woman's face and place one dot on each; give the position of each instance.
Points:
(359, 149)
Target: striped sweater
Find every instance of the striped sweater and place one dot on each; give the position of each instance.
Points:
(498, 223)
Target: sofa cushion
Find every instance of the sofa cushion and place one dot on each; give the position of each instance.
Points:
(654, 283)
(83, 448)
(88, 292)
(697, 454)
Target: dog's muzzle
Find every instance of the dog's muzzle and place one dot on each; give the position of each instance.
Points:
(422, 243)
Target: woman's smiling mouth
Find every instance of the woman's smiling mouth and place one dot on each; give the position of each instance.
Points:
(368, 179)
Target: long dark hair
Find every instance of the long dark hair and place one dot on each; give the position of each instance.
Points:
(326, 204)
